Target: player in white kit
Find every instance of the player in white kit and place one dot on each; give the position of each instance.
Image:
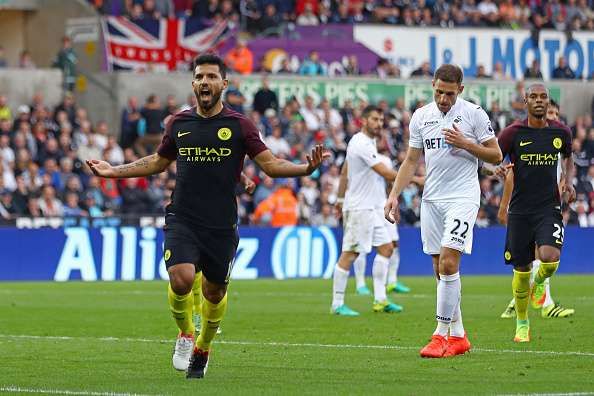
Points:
(392, 285)
(454, 134)
(363, 224)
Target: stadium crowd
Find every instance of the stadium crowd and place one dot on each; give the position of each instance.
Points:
(43, 149)
(267, 15)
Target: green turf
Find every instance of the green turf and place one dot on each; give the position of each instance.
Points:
(279, 338)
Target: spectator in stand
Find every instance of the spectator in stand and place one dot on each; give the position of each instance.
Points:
(271, 20)
(240, 59)
(129, 124)
(233, 95)
(66, 61)
(308, 17)
(25, 61)
(71, 207)
(312, 66)
(499, 72)
(533, 71)
(481, 72)
(263, 190)
(342, 14)
(310, 115)
(134, 199)
(265, 98)
(48, 204)
(67, 105)
(277, 144)
(563, 71)
(5, 113)
(352, 66)
(518, 104)
(423, 71)
(150, 135)
(280, 208)
(325, 217)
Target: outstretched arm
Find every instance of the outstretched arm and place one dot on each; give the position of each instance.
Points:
(508, 186)
(277, 167)
(405, 175)
(144, 166)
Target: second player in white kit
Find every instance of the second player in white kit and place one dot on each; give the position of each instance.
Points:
(364, 226)
(453, 134)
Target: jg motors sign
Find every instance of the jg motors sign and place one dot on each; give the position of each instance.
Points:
(469, 48)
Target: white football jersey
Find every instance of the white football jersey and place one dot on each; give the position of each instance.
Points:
(363, 190)
(382, 182)
(451, 172)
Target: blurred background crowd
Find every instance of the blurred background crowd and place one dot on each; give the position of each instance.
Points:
(267, 15)
(43, 149)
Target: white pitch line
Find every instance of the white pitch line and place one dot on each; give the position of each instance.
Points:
(18, 389)
(551, 394)
(291, 344)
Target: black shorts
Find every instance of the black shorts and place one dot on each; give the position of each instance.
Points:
(212, 251)
(525, 232)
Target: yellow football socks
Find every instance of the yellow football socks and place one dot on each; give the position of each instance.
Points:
(546, 270)
(212, 315)
(181, 308)
(197, 291)
(521, 291)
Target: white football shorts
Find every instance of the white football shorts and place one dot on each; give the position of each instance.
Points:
(391, 228)
(447, 224)
(363, 229)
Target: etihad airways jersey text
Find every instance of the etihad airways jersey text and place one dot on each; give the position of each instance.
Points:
(209, 154)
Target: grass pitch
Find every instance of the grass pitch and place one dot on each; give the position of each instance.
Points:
(279, 338)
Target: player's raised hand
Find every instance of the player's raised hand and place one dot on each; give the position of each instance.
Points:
(502, 170)
(338, 210)
(249, 186)
(455, 137)
(318, 155)
(568, 193)
(391, 210)
(101, 168)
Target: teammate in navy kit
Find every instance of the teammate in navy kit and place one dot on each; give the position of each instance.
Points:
(535, 146)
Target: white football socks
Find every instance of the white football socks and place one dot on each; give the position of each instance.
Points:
(380, 272)
(359, 267)
(339, 286)
(393, 267)
(448, 295)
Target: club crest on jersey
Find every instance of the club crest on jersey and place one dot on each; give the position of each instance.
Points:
(458, 119)
(224, 133)
(557, 143)
(167, 254)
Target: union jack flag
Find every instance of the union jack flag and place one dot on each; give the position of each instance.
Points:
(165, 44)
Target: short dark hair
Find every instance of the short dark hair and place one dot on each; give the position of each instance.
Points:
(210, 59)
(367, 110)
(449, 73)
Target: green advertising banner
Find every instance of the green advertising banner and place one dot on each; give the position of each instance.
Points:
(338, 90)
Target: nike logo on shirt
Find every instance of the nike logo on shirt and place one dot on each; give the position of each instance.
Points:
(180, 134)
(522, 144)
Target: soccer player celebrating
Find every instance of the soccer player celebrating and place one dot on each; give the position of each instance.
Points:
(534, 219)
(363, 224)
(209, 142)
(454, 134)
(549, 308)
